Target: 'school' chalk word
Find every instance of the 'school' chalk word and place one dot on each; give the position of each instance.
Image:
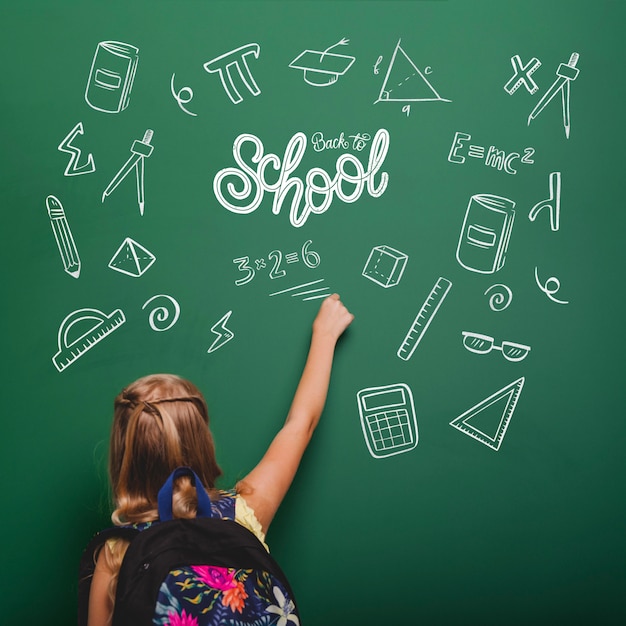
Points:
(493, 157)
(254, 183)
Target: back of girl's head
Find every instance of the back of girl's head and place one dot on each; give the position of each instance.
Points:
(160, 423)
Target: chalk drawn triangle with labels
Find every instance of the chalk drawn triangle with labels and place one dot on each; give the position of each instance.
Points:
(405, 82)
(488, 421)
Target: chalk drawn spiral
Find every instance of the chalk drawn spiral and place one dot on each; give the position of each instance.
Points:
(500, 298)
(163, 313)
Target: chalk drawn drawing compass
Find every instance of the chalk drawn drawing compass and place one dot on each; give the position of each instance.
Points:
(566, 73)
(140, 150)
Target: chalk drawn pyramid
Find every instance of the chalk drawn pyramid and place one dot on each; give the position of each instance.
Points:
(492, 415)
(404, 82)
(131, 258)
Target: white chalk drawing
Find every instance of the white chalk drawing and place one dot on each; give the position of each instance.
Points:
(70, 350)
(73, 168)
(322, 69)
(63, 236)
(565, 74)
(379, 60)
(550, 287)
(500, 298)
(405, 82)
(111, 76)
(183, 96)
(522, 75)
(385, 266)
(492, 155)
(235, 59)
(485, 233)
(140, 151)
(552, 203)
(484, 344)
(306, 291)
(309, 257)
(166, 313)
(132, 259)
(249, 185)
(388, 419)
(424, 317)
(224, 335)
(478, 422)
(358, 143)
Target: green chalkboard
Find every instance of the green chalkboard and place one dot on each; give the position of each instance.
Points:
(182, 183)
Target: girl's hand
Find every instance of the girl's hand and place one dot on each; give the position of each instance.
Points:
(332, 319)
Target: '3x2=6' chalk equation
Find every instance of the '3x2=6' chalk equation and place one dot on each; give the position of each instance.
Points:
(275, 258)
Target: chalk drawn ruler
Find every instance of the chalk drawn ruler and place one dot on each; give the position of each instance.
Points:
(505, 400)
(104, 325)
(425, 316)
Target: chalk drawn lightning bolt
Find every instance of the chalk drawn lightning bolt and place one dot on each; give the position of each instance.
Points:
(73, 169)
(224, 335)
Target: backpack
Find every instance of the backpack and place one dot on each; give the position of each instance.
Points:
(205, 571)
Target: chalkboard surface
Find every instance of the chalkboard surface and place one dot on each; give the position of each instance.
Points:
(183, 182)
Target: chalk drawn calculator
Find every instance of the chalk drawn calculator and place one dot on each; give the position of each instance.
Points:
(388, 419)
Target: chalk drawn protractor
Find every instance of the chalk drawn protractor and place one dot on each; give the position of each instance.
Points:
(103, 326)
(478, 422)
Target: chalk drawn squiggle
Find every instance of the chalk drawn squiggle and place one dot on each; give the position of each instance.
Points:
(162, 313)
(501, 298)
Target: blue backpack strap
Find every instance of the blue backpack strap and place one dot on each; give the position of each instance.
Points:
(167, 491)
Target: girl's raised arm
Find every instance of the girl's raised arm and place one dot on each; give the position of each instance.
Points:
(266, 485)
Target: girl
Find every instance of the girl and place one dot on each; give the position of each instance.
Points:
(161, 423)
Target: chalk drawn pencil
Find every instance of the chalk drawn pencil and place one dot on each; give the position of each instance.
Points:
(63, 236)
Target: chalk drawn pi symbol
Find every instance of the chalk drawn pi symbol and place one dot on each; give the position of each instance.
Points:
(236, 59)
(401, 77)
(522, 75)
(552, 203)
(73, 168)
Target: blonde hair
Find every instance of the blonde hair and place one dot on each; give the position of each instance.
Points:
(160, 422)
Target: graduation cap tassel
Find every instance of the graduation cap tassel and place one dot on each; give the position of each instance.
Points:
(343, 42)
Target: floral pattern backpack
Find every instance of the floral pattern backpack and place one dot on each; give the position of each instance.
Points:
(206, 571)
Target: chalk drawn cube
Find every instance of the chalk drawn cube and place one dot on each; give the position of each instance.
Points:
(385, 266)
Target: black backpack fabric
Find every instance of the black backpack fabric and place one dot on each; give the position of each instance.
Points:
(205, 571)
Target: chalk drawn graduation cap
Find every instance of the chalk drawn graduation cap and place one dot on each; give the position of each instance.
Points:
(322, 69)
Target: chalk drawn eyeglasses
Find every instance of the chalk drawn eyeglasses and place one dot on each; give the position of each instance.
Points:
(483, 344)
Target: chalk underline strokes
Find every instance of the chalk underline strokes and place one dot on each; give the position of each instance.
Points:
(244, 192)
